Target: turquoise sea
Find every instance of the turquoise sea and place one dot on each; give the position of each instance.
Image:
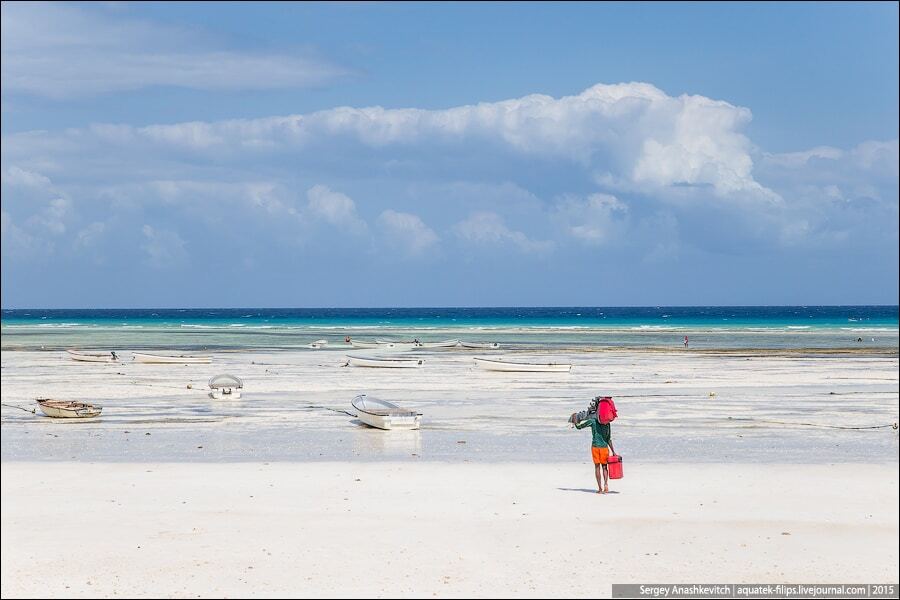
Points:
(707, 327)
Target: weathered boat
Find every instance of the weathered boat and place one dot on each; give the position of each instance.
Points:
(384, 415)
(386, 362)
(93, 356)
(225, 387)
(66, 409)
(499, 364)
(182, 359)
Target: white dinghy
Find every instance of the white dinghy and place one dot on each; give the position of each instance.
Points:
(385, 415)
(93, 356)
(444, 344)
(480, 345)
(363, 344)
(225, 387)
(385, 362)
(65, 409)
(182, 359)
(499, 364)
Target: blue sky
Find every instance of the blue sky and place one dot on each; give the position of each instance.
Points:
(357, 154)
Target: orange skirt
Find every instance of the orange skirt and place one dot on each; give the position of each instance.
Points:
(600, 455)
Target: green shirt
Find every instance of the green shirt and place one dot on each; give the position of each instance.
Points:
(601, 432)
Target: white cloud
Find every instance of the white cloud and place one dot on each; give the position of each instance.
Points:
(53, 217)
(335, 208)
(163, 248)
(58, 51)
(631, 133)
(593, 220)
(88, 236)
(489, 229)
(408, 231)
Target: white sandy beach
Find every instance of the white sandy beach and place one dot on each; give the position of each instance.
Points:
(170, 493)
(437, 529)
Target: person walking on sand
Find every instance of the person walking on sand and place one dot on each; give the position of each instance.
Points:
(601, 444)
(685, 342)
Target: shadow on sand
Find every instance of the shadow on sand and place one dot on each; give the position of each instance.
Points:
(590, 491)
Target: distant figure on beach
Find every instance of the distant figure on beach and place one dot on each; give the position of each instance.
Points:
(347, 339)
(685, 342)
(859, 339)
(601, 444)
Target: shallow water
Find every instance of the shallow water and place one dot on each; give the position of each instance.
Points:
(673, 407)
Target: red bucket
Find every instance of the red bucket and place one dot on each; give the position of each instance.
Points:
(614, 463)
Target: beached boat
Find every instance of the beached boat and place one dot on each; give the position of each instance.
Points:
(480, 346)
(182, 359)
(362, 344)
(499, 364)
(225, 387)
(385, 362)
(444, 344)
(398, 345)
(384, 415)
(93, 356)
(65, 409)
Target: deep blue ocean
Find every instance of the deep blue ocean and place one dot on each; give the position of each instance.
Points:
(274, 328)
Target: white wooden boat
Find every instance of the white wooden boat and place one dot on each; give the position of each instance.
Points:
(65, 409)
(384, 415)
(397, 345)
(480, 346)
(93, 356)
(362, 344)
(444, 344)
(388, 362)
(225, 387)
(499, 364)
(182, 359)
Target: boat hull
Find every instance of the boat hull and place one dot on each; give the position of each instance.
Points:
(517, 367)
(91, 356)
(384, 415)
(176, 360)
(444, 344)
(224, 395)
(69, 410)
(384, 363)
(479, 346)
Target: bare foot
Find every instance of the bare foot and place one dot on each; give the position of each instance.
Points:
(605, 489)
(599, 491)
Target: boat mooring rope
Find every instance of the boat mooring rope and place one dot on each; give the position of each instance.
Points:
(337, 410)
(32, 411)
(891, 425)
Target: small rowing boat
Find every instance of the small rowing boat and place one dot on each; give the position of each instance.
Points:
(444, 344)
(499, 364)
(182, 359)
(480, 346)
(93, 356)
(362, 344)
(388, 362)
(66, 409)
(384, 415)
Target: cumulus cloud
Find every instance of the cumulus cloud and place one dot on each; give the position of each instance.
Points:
(408, 231)
(593, 220)
(335, 208)
(630, 134)
(489, 228)
(57, 50)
